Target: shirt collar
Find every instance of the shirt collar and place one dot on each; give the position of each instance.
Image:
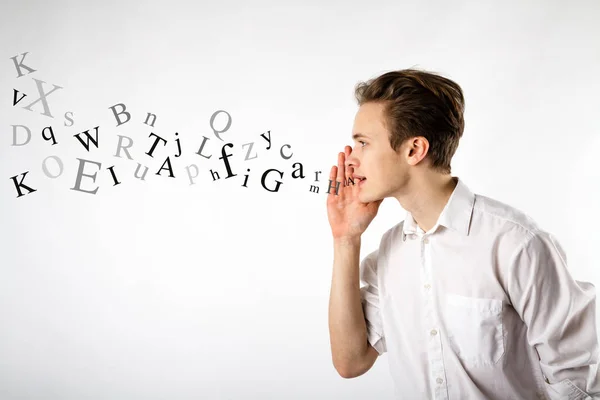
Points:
(456, 214)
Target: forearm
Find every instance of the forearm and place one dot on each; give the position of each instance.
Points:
(347, 326)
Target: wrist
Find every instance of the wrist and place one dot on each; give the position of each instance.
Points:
(347, 240)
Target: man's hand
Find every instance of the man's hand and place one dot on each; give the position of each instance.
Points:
(348, 217)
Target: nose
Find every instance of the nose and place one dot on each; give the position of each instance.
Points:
(351, 160)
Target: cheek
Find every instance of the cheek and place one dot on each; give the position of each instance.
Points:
(386, 171)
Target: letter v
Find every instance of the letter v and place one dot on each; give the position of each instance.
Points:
(15, 101)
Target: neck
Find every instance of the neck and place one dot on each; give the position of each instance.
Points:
(425, 197)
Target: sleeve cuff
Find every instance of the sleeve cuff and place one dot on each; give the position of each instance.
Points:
(376, 340)
(565, 390)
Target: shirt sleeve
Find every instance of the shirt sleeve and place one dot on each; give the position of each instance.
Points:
(369, 294)
(560, 315)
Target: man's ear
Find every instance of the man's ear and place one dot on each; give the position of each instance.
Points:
(415, 143)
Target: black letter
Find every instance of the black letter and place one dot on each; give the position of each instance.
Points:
(224, 157)
(155, 143)
(262, 180)
(87, 145)
(298, 169)
(170, 169)
(17, 185)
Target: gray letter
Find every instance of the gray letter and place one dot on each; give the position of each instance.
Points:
(337, 186)
(80, 174)
(212, 120)
(122, 112)
(153, 119)
(43, 96)
(202, 146)
(124, 148)
(249, 150)
(60, 167)
(15, 135)
(69, 118)
(138, 170)
(20, 65)
(281, 152)
(190, 175)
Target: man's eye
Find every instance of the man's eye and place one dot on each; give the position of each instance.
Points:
(361, 142)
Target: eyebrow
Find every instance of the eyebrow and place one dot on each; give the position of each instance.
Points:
(359, 135)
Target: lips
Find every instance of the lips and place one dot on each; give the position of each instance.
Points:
(361, 179)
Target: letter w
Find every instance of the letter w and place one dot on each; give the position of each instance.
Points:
(86, 144)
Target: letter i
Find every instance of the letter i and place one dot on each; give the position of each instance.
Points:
(246, 180)
(113, 175)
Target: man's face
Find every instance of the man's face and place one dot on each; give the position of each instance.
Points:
(372, 156)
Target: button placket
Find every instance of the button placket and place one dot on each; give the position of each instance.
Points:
(436, 361)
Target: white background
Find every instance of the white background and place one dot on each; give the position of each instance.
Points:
(159, 289)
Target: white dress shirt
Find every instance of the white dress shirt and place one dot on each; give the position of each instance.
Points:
(482, 306)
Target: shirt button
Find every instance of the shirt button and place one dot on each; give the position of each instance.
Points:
(426, 240)
(427, 286)
(433, 332)
(439, 380)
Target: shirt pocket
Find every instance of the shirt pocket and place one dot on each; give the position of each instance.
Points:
(475, 329)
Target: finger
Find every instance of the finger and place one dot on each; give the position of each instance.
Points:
(349, 180)
(347, 150)
(341, 169)
(334, 189)
(349, 168)
(333, 173)
(332, 178)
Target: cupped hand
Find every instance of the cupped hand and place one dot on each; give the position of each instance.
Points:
(348, 217)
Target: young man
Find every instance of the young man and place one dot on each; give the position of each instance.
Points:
(467, 295)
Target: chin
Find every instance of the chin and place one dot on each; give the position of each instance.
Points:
(367, 197)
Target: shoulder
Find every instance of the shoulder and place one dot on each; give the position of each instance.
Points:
(491, 214)
(525, 235)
